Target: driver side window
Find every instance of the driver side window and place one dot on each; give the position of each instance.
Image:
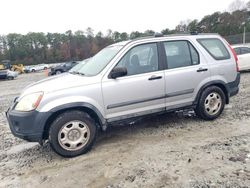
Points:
(140, 59)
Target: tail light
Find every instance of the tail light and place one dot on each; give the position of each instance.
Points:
(235, 56)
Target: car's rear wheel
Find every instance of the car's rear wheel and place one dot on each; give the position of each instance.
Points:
(72, 133)
(211, 103)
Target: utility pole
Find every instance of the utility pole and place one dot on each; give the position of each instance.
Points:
(244, 35)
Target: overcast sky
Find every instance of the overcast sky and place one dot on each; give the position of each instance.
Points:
(22, 16)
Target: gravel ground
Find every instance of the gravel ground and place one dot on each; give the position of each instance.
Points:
(171, 150)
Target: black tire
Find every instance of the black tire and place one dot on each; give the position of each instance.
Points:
(10, 78)
(201, 110)
(58, 72)
(63, 119)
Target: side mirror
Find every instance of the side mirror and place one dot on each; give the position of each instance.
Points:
(118, 72)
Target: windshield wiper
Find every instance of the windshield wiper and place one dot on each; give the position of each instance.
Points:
(76, 72)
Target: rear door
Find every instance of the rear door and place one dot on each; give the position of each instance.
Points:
(186, 72)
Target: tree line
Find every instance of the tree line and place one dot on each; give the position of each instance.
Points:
(34, 48)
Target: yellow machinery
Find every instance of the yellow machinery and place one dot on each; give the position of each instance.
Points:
(1, 67)
(5, 64)
(18, 68)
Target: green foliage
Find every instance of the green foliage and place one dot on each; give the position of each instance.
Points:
(34, 48)
(225, 23)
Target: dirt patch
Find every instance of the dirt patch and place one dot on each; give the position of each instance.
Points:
(162, 151)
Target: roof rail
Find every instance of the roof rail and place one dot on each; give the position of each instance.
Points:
(173, 35)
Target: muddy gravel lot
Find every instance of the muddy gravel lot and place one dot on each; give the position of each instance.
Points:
(172, 150)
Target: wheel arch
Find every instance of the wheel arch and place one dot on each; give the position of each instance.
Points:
(222, 85)
(92, 111)
(55, 70)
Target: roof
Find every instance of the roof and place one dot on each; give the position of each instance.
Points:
(123, 43)
(160, 36)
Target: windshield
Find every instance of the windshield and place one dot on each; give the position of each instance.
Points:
(97, 63)
(79, 65)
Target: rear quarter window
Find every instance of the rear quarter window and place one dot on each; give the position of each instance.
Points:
(215, 48)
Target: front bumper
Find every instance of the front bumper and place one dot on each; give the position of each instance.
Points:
(27, 125)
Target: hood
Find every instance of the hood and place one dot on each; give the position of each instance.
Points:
(59, 82)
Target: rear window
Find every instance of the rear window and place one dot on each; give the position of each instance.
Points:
(215, 48)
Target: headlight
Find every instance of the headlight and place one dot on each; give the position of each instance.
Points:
(29, 102)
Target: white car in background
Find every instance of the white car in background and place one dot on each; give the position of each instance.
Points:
(243, 53)
(36, 68)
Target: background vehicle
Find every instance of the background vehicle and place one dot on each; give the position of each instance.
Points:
(8, 74)
(243, 53)
(79, 65)
(36, 68)
(125, 81)
(62, 68)
(18, 68)
(26, 69)
(5, 64)
(3, 74)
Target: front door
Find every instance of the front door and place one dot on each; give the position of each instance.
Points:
(141, 91)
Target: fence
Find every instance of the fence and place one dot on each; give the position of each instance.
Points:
(238, 39)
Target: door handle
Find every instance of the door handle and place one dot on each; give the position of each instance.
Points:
(155, 77)
(202, 69)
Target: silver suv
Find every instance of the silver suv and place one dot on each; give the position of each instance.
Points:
(124, 81)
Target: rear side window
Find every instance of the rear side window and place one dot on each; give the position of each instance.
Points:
(215, 48)
(180, 54)
(245, 50)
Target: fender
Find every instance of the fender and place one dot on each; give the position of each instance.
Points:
(225, 89)
(102, 120)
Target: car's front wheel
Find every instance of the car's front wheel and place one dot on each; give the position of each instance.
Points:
(58, 72)
(211, 103)
(10, 78)
(72, 133)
